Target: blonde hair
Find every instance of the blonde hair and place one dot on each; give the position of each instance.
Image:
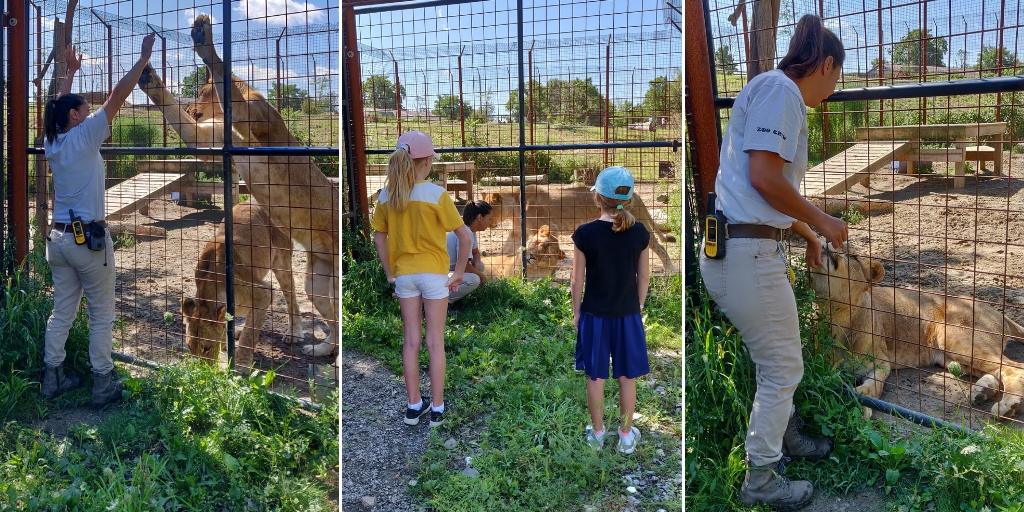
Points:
(622, 218)
(401, 178)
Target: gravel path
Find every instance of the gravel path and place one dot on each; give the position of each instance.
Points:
(380, 452)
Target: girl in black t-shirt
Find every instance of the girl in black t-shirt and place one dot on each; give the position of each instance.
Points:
(609, 284)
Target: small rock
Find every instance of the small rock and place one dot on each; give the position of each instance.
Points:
(631, 489)
(661, 510)
(451, 443)
(470, 472)
(588, 508)
(369, 501)
(412, 483)
(660, 390)
(659, 452)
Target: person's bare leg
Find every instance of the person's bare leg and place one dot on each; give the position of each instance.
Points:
(436, 313)
(411, 320)
(627, 403)
(595, 403)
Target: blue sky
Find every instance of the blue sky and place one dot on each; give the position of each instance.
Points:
(569, 39)
(308, 55)
(856, 23)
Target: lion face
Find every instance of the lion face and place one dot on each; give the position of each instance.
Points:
(205, 328)
(543, 252)
(845, 277)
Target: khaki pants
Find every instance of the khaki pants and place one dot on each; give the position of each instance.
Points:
(76, 269)
(470, 282)
(751, 286)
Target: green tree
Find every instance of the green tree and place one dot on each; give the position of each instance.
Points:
(292, 97)
(907, 52)
(724, 61)
(664, 96)
(447, 107)
(379, 92)
(988, 59)
(539, 101)
(190, 84)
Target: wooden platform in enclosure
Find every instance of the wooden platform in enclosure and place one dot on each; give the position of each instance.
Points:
(135, 193)
(852, 166)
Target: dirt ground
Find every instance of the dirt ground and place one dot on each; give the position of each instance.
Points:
(153, 274)
(965, 242)
(491, 240)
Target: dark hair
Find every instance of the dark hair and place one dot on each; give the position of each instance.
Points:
(811, 44)
(55, 119)
(474, 208)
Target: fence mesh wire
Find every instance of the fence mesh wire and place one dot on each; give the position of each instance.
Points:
(166, 211)
(930, 187)
(593, 72)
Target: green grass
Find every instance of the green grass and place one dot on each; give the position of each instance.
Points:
(934, 470)
(188, 437)
(511, 381)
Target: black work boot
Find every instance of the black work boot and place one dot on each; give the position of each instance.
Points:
(55, 381)
(798, 445)
(105, 389)
(765, 485)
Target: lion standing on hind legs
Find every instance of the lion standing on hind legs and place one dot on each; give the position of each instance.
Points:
(299, 197)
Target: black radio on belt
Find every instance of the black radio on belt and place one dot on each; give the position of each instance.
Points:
(715, 231)
(93, 235)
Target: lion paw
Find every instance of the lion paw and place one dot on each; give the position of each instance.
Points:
(320, 349)
(1006, 408)
(202, 36)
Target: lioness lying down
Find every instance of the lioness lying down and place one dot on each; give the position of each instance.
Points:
(563, 209)
(897, 328)
(543, 253)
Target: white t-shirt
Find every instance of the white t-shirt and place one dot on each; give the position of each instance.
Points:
(769, 114)
(78, 170)
(453, 248)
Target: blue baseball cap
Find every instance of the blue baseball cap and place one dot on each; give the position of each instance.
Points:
(612, 178)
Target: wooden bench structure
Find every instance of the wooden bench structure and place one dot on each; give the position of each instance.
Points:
(855, 165)
(376, 176)
(135, 193)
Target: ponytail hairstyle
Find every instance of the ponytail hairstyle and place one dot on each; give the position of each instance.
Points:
(401, 178)
(474, 209)
(622, 218)
(58, 114)
(811, 44)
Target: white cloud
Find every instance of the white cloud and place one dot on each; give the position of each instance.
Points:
(278, 12)
(261, 74)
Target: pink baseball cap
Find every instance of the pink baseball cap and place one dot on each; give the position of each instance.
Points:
(417, 143)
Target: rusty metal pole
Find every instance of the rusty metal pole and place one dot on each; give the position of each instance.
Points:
(746, 37)
(923, 56)
(163, 72)
(398, 97)
(999, 57)
(38, 162)
(350, 52)
(17, 125)
(529, 113)
(278, 53)
(824, 106)
(607, 93)
(881, 66)
(110, 50)
(700, 101)
(462, 103)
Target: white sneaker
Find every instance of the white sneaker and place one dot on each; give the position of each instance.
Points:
(629, 447)
(595, 441)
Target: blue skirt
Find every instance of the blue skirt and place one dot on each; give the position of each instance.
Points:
(622, 339)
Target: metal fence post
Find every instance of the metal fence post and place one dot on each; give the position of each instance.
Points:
(229, 262)
(17, 124)
(522, 135)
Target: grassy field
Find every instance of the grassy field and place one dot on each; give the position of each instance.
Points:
(187, 437)
(510, 380)
(918, 470)
(558, 165)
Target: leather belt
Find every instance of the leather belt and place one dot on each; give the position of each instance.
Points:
(755, 231)
(60, 226)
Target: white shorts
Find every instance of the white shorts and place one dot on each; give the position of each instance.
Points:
(430, 286)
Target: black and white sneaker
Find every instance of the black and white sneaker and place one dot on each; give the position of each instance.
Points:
(412, 416)
(436, 418)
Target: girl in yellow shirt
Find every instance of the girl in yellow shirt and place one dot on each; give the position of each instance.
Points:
(410, 222)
